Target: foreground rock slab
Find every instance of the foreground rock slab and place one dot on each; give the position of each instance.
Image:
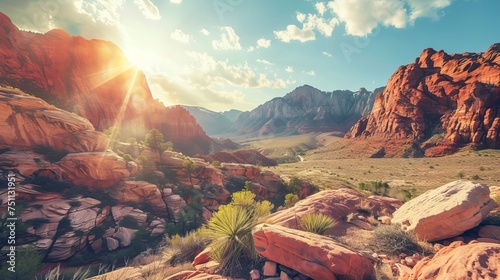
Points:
(460, 261)
(447, 211)
(334, 203)
(313, 255)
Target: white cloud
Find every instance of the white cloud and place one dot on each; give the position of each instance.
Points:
(176, 1)
(361, 17)
(310, 23)
(426, 8)
(204, 32)
(327, 54)
(250, 49)
(320, 7)
(208, 72)
(148, 9)
(263, 43)
(292, 32)
(301, 17)
(310, 73)
(179, 35)
(228, 40)
(289, 69)
(263, 61)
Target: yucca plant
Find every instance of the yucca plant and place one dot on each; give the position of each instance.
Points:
(231, 230)
(317, 223)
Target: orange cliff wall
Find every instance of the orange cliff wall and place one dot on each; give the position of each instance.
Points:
(91, 78)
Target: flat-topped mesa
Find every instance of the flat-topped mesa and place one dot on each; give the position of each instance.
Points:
(92, 78)
(438, 104)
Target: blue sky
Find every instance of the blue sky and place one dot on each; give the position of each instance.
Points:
(224, 54)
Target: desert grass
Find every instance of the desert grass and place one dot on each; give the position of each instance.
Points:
(332, 166)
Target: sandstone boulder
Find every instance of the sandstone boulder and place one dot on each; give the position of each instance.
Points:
(112, 243)
(313, 255)
(445, 212)
(460, 261)
(93, 170)
(65, 247)
(124, 235)
(120, 211)
(334, 203)
(84, 216)
(140, 192)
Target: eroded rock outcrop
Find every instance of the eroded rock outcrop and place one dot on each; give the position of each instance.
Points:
(31, 122)
(460, 261)
(446, 211)
(313, 255)
(93, 79)
(439, 103)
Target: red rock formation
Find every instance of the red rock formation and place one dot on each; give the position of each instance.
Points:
(439, 103)
(92, 78)
(460, 261)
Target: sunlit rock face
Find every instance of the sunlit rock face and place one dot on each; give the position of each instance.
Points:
(93, 79)
(307, 109)
(439, 103)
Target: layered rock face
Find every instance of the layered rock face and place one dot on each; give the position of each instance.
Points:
(439, 103)
(307, 109)
(93, 79)
(74, 187)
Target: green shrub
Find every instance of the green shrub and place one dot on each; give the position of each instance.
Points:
(475, 177)
(28, 261)
(291, 199)
(317, 223)
(231, 231)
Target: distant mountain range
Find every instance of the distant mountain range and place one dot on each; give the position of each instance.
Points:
(213, 123)
(307, 109)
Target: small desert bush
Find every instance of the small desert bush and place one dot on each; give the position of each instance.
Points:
(183, 249)
(392, 239)
(231, 231)
(68, 274)
(317, 223)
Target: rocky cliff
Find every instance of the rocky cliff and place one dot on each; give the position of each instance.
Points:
(437, 104)
(76, 199)
(93, 79)
(307, 109)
